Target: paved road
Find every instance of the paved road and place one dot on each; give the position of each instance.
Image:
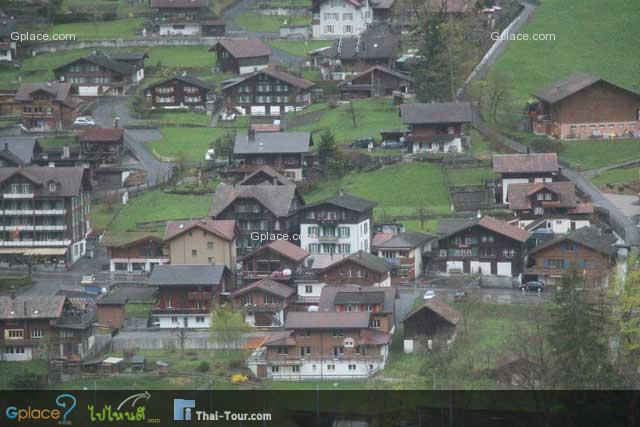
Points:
(134, 140)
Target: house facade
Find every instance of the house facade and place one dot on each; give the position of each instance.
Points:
(583, 106)
(279, 260)
(99, 74)
(46, 106)
(438, 127)
(263, 303)
(102, 146)
(405, 252)
(269, 92)
(346, 18)
(340, 224)
(360, 268)
(180, 92)
(377, 81)
(485, 246)
(187, 294)
(523, 169)
(134, 251)
(241, 56)
(45, 212)
(178, 17)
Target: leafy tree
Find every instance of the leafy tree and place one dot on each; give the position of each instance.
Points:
(227, 325)
(327, 149)
(422, 214)
(224, 146)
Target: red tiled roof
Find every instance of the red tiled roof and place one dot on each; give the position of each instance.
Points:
(266, 285)
(504, 228)
(380, 238)
(519, 194)
(373, 337)
(582, 208)
(515, 163)
(288, 249)
(102, 135)
(224, 228)
(244, 48)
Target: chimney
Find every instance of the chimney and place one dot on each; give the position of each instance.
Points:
(252, 134)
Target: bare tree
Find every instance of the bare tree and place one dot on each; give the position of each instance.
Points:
(422, 214)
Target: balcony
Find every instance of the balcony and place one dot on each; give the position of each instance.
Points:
(58, 227)
(180, 310)
(18, 195)
(328, 238)
(36, 243)
(296, 358)
(18, 211)
(307, 300)
(263, 307)
(199, 296)
(50, 212)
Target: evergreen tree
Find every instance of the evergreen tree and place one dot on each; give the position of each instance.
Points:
(431, 71)
(327, 149)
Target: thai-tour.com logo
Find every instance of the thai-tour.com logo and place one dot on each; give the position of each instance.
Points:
(182, 409)
(59, 412)
(130, 410)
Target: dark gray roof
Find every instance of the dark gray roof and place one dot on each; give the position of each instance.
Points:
(568, 86)
(186, 79)
(176, 275)
(267, 285)
(592, 237)
(436, 112)
(31, 307)
(68, 180)
(375, 43)
(380, 68)
(333, 320)
(353, 294)
(366, 260)
(7, 26)
(239, 48)
(272, 142)
(129, 56)
(346, 201)
(359, 298)
(105, 62)
(447, 226)
(21, 147)
(277, 198)
(409, 239)
(59, 90)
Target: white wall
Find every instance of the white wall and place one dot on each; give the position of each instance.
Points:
(316, 289)
(251, 68)
(88, 90)
(559, 225)
(188, 30)
(358, 239)
(362, 17)
(453, 146)
(165, 321)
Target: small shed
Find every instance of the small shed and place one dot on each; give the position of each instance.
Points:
(136, 363)
(110, 365)
(433, 320)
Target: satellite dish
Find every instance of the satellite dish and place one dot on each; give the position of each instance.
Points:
(286, 272)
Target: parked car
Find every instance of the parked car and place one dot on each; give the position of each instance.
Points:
(429, 294)
(392, 144)
(84, 121)
(362, 142)
(533, 285)
(460, 296)
(88, 279)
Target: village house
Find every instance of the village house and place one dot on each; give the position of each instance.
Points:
(46, 106)
(550, 205)
(360, 268)
(102, 146)
(269, 92)
(279, 260)
(180, 92)
(485, 246)
(239, 56)
(265, 175)
(134, 251)
(584, 106)
(437, 127)
(523, 169)
(178, 17)
(261, 211)
(45, 212)
(100, 74)
(318, 345)
(285, 151)
(340, 224)
(8, 47)
(188, 293)
(377, 81)
(134, 59)
(263, 303)
(111, 310)
(380, 302)
(39, 327)
(346, 18)
(19, 151)
(434, 322)
(405, 253)
(202, 241)
(589, 249)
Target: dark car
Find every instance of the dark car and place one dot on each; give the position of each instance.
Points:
(534, 286)
(362, 142)
(392, 144)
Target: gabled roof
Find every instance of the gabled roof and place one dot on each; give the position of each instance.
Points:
(275, 177)
(31, 307)
(283, 247)
(380, 68)
(436, 112)
(243, 48)
(193, 81)
(265, 285)
(272, 142)
(271, 72)
(185, 275)
(490, 223)
(377, 42)
(103, 61)
(178, 4)
(68, 180)
(442, 309)
(353, 294)
(276, 198)
(346, 201)
(332, 320)
(20, 148)
(223, 228)
(409, 239)
(520, 194)
(364, 259)
(279, 338)
(591, 237)
(525, 163)
(574, 83)
(60, 91)
(102, 135)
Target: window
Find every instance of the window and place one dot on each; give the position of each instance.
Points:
(174, 319)
(199, 304)
(295, 368)
(338, 351)
(540, 196)
(305, 333)
(246, 300)
(348, 29)
(209, 245)
(210, 260)
(270, 299)
(37, 333)
(275, 369)
(331, 367)
(347, 16)
(26, 188)
(199, 319)
(352, 367)
(52, 187)
(308, 289)
(305, 351)
(547, 196)
(328, 29)
(283, 350)
(375, 323)
(194, 252)
(538, 211)
(13, 334)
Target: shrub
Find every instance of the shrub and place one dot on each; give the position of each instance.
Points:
(204, 366)
(547, 146)
(25, 381)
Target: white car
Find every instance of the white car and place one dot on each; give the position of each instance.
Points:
(210, 154)
(429, 294)
(84, 121)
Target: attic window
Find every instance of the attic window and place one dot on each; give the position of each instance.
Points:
(52, 187)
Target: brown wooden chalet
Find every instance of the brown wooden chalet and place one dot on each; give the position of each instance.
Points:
(377, 81)
(46, 106)
(360, 268)
(485, 246)
(380, 302)
(241, 56)
(433, 320)
(187, 293)
(180, 91)
(584, 106)
(179, 17)
(265, 175)
(588, 249)
(264, 303)
(405, 251)
(102, 146)
(37, 327)
(437, 126)
(268, 92)
(134, 251)
(279, 260)
(265, 209)
(522, 169)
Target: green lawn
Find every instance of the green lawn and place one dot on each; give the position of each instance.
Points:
(8, 370)
(580, 27)
(119, 29)
(54, 142)
(159, 206)
(371, 116)
(480, 147)
(471, 176)
(101, 214)
(398, 189)
(298, 47)
(593, 154)
(187, 143)
(181, 56)
(124, 8)
(179, 117)
(252, 21)
(430, 225)
(133, 309)
(618, 176)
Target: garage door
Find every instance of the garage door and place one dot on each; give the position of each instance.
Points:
(454, 266)
(504, 269)
(478, 267)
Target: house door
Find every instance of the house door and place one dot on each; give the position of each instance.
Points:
(186, 322)
(573, 225)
